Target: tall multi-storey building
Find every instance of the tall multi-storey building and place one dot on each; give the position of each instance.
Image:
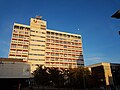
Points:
(19, 46)
(51, 48)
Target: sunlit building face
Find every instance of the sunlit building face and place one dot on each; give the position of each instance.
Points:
(41, 46)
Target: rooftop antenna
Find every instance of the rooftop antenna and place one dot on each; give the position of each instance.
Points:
(39, 17)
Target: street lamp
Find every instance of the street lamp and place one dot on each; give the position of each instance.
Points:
(117, 16)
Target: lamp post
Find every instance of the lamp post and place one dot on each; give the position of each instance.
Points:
(117, 16)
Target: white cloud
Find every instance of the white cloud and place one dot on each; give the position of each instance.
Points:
(93, 58)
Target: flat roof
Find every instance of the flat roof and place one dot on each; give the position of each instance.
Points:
(22, 25)
(98, 64)
(11, 60)
(63, 32)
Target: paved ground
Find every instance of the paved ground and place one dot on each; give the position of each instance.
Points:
(41, 88)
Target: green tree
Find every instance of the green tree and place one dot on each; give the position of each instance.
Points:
(49, 77)
(56, 77)
(77, 77)
(70, 78)
(41, 76)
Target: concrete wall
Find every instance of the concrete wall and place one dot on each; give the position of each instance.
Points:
(14, 70)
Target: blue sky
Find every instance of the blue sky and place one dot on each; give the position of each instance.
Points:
(90, 18)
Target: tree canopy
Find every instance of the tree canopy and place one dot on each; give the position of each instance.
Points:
(70, 78)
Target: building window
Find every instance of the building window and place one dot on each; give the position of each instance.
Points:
(37, 49)
(43, 28)
(21, 28)
(65, 55)
(15, 35)
(42, 36)
(52, 36)
(43, 32)
(13, 46)
(21, 36)
(48, 32)
(26, 32)
(15, 31)
(25, 47)
(79, 37)
(37, 40)
(64, 42)
(32, 30)
(68, 36)
(65, 46)
(37, 54)
(52, 33)
(16, 27)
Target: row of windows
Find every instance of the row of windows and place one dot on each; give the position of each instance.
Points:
(21, 32)
(63, 55)
(61, 49)
(38, 59)
(43, 25)
(64, 46)
(19, 52)
(20, 36)
(37, 49)
(65, 35)
(20, 42)
(53, 49)
(66, 60)
(63, 38)
(61, 60)
(38, 36)
(37, 54)
(21, 28)
(62, 42)
(38, 32)
(43, 28)
(37, 45)
(55, 46)
(16, 46)
(37, 40)
(80, 64)
(65, 52)
(19, 55)
(60, 64)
